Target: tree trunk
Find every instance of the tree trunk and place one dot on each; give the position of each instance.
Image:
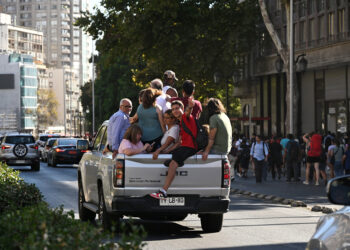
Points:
(283, 51)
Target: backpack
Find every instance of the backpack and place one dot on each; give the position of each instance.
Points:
(201, 141)
(315, 146)
(245, 154)
(293, 154)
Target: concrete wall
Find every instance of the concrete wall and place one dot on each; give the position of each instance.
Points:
(4, 37)
(308, 102)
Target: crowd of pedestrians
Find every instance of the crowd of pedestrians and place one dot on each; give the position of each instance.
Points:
(322, 157)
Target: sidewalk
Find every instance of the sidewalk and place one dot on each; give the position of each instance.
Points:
(311, 195)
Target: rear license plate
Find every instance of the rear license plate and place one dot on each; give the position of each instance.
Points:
(172, 201)
(72, 152)
(20, 161)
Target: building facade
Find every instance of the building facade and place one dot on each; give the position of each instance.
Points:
(18, 84)
(322, 33)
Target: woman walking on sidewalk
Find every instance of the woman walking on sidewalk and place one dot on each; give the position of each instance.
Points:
(314, 150)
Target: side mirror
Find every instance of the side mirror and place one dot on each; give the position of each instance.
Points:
(338, 190)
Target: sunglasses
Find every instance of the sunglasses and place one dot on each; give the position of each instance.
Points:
(127, 106)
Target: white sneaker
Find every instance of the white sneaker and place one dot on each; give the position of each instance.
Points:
(306, 182)
(317, 183)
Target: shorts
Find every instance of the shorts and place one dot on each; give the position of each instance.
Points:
(313, 159)
(182, 153)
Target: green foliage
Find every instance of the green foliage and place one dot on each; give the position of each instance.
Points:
(114, 83)
(16, 193)
(132, 236)
(194, 38)
(39, 227)
(47, 107)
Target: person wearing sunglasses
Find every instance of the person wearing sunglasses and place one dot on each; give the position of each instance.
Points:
(118, 124)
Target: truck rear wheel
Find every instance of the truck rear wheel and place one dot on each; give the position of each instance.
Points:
(211, 223)
(84, 213)
(102, 215)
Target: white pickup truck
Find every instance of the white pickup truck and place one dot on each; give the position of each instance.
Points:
(113, 188)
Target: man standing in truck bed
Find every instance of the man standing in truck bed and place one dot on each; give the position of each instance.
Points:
(187, 147)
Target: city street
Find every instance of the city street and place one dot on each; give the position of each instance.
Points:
(250, 223)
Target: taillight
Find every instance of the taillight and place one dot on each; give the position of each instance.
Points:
(119, 173)
(34, 146)
(226, 179)
(5, 147)
(58, 150)
(84, 150)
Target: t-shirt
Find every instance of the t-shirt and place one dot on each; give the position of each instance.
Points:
(149, 123)
(197, 108)
(338, 152)
(161, 101)
(284, 142)
(172, 132)
(125, 144)
(186, 139)
(223, 137)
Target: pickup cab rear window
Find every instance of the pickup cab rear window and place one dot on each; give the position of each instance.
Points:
(19, 139)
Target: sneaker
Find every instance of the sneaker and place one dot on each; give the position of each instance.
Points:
(317, 183)
(158, 195)
(306, 182)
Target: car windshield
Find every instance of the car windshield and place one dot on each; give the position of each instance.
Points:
(50, 142)
(67, 142)
(82, 144)
(46, 137)
(19, 139)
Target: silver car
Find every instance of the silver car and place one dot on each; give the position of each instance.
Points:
(333, 230)
(18, 149)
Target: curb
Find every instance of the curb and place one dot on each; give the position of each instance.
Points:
(284, 201)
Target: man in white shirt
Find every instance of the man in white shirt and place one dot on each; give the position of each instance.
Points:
(161, 100)
(259, 153)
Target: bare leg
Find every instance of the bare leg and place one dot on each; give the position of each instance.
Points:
(317, 170)
(171, 174)
(307, 172)
(331, 168)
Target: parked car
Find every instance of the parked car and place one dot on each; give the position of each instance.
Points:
(67, 151)
(333, 230)
(18, 149)
(47, 146)
(42, 141)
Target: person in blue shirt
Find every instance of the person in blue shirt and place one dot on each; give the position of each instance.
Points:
(259, 154)
(118, 124)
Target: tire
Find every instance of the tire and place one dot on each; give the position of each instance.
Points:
(211, 223)
(20, 150)
(36, 166)
(84, 213)
(102, 215)
(53, 162)
(48, 161)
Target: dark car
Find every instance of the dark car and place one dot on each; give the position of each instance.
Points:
(47, 146)
(67, 151)
(19, 149)
(333, 230)
(43, 138)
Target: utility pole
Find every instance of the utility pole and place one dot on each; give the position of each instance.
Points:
(93, 91)
(291, 70)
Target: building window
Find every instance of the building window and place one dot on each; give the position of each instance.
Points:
(25, 15)
(341, 21)
(321, 4)
(41, 7)
(331, 24)
(312, 30)
(312, 7)
(321, 26)
(302, 8)
(54, 7)
(301, 32)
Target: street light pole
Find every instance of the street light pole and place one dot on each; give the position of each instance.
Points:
(93, 91)
(291, 69)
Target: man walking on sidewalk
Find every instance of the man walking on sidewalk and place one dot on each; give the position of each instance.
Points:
(291, 158)
(259, 153)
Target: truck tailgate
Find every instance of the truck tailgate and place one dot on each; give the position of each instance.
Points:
(144, 175)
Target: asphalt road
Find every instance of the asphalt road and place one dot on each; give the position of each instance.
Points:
(250, 223)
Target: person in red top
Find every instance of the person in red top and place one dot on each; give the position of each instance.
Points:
(188, 92)
(314, 145)
(187, 147)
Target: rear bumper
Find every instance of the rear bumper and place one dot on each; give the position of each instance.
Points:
(20, 162)
(149, 205)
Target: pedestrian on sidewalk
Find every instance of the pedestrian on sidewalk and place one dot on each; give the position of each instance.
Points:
(291, 158)
(336, 156)
(314, 140)
(259, 155)
(245, 156)
(275, 158)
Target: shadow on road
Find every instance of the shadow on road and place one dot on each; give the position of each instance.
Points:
(298, 245)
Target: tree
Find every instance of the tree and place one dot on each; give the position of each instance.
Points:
(47, 108)
(283, 51)
(114, 83)
(193, 38)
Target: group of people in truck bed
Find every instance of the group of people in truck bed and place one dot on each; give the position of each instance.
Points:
(165, 123)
